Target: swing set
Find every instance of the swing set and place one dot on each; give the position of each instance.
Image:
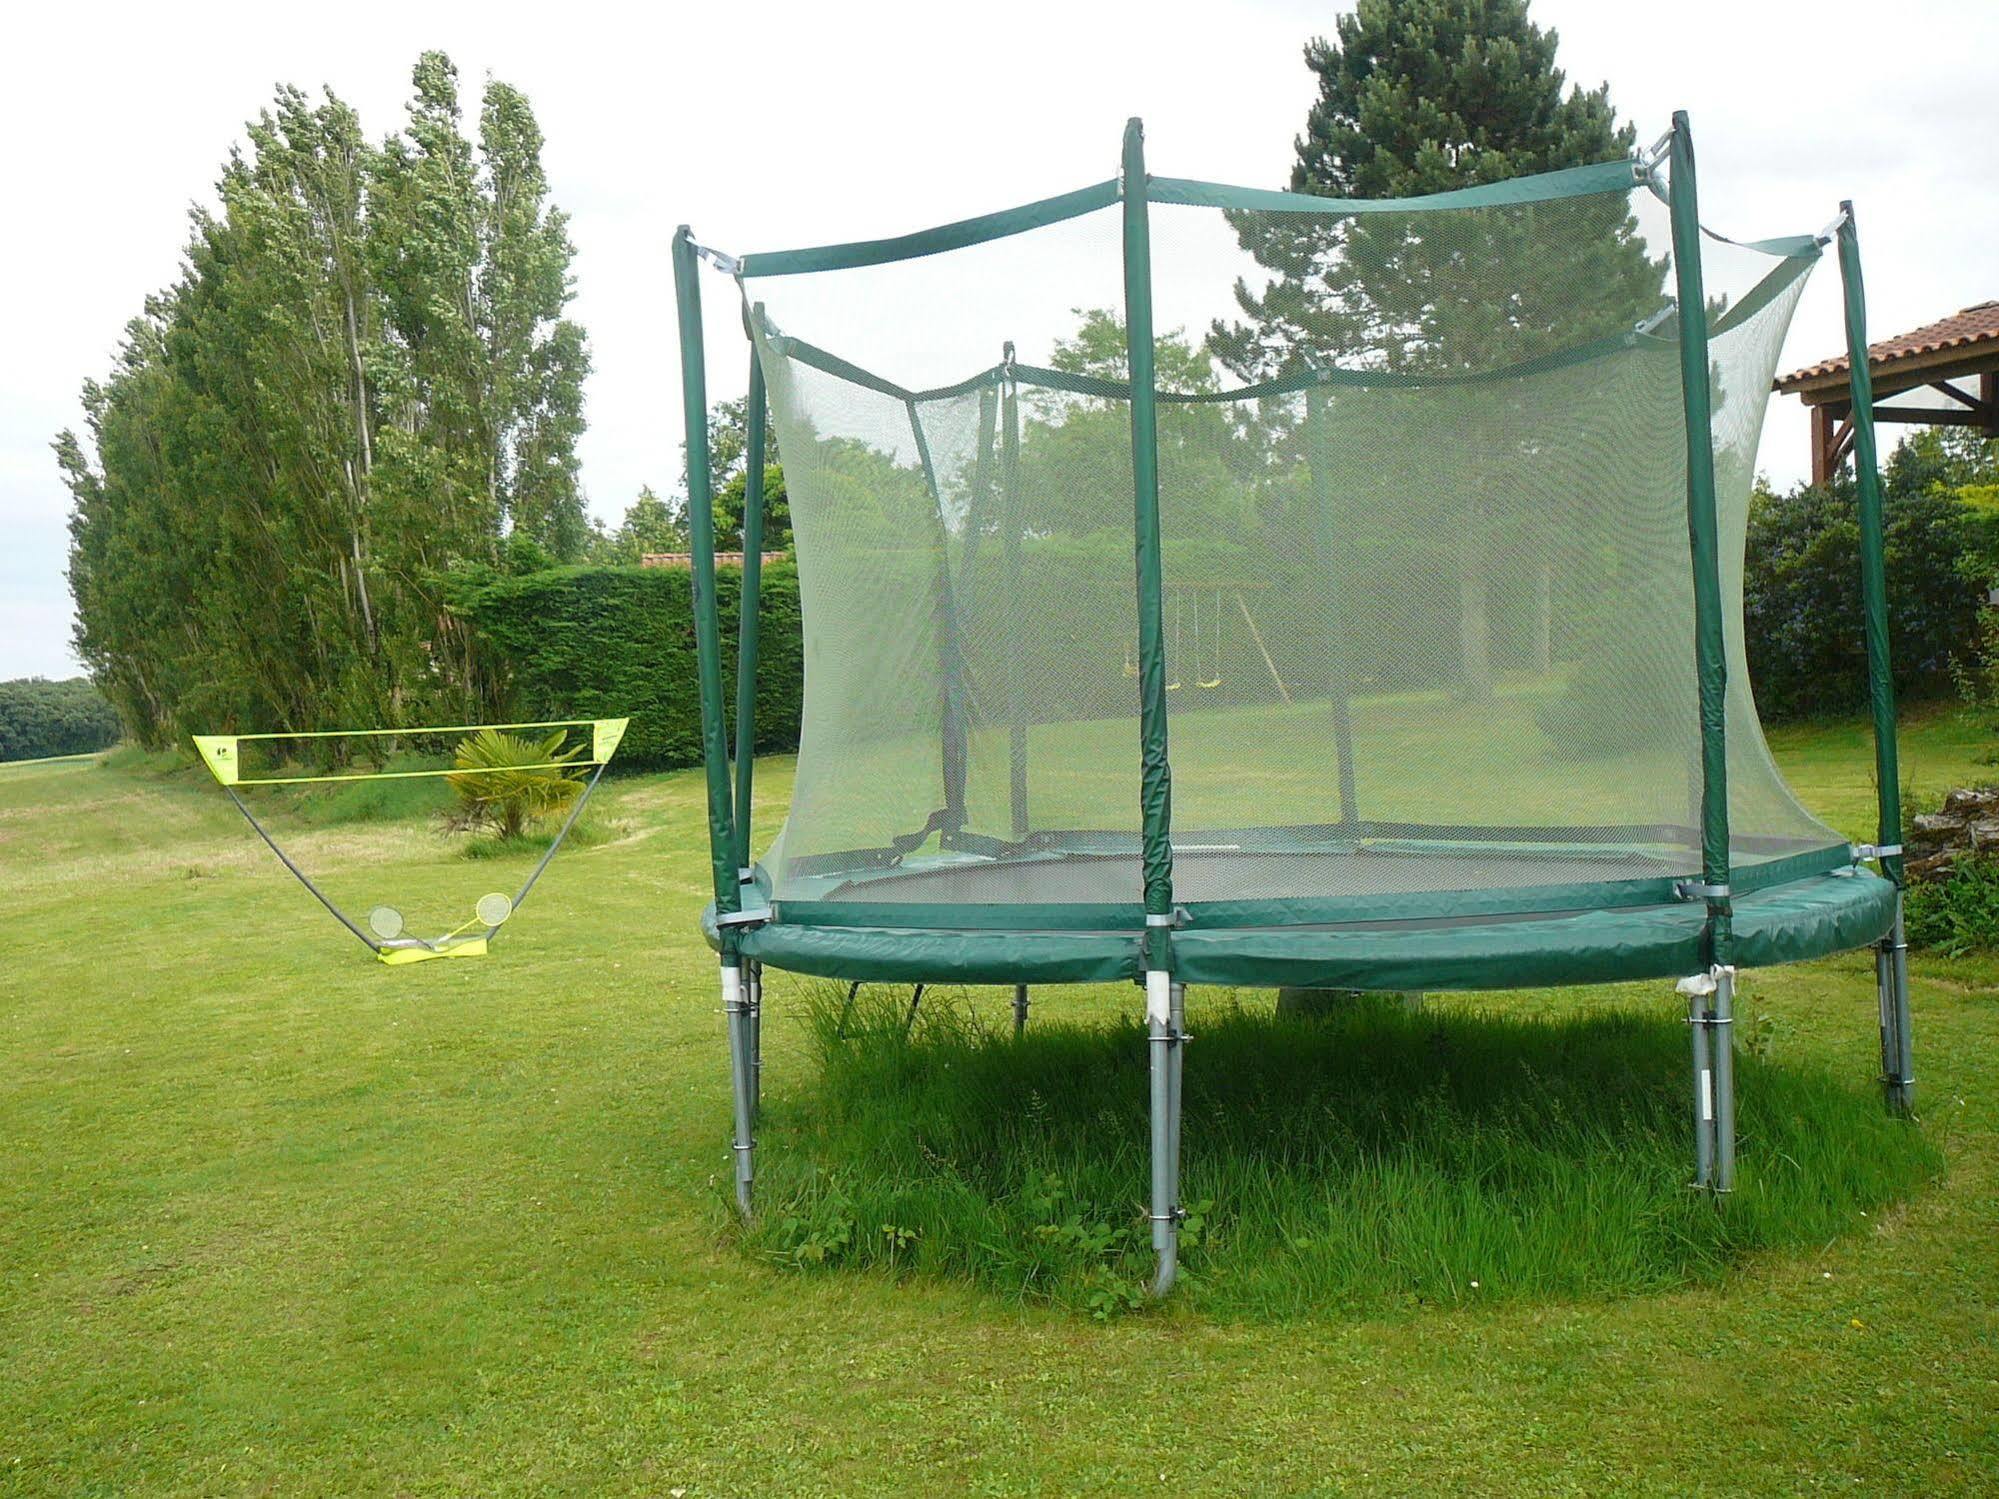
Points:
(1188, 607)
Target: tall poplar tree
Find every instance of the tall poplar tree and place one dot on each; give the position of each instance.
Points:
(362, 376)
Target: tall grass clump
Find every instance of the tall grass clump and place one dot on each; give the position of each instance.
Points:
(1366, 1162)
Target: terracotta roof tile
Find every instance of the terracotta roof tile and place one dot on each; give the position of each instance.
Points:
(1976, 324)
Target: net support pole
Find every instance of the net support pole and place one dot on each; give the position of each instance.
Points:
(950, 650)
(299, 874)
(707, 624)
(1710, 639)
(714, 730)
(1011, 524)
(1155, 775)
(748, 628)
(548, 854)
(1897, 1062)
(1320, 462)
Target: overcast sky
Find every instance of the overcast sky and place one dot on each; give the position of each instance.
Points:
(782, 124)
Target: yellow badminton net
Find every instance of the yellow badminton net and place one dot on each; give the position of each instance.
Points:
(288, 759)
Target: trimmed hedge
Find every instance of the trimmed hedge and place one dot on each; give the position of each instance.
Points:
(600, 642)
(39, 718)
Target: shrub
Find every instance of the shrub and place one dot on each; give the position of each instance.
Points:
(1801, 595)
(1959, 913)
(511, 780)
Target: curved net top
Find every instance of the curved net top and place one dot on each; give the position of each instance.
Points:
(1428, 599)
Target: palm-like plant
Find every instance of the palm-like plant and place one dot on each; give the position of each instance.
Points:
(506, 781)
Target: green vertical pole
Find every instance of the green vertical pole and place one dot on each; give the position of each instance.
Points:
(1162, 995)
(1318, 459)
(1011, 525)
(1873, 571)
(1897, 1059)
(1155, 772)
(1710, 646)
(737, 1009)
(950, 649)
(747, 629)
(707, 626)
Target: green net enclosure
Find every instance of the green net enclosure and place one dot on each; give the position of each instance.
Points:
(1209, 584)
(1425, 575)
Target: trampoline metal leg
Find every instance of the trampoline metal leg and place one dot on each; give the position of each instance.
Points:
(1697, 1028)
(1884, 994)
(1723, 1024)
(1178, 1020)
(915, 999)
(1163, 1044)
(1898, 1063)
(736, 1012)
(847, 1009)
(1019, 1008)
(753, 985)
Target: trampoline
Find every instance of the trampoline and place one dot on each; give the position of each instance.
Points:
(1345, 594)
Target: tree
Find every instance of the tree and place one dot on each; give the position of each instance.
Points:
(728, 473)
(650, 525)
(39, 718)
(361, 377)
(1078, 447)
(1097, 350)
(1417, 97)
(733, 493)
(729, 438)
(1801, 596)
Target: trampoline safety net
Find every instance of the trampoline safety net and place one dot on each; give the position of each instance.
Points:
(1427, 602)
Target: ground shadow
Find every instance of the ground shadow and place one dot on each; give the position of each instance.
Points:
(1370, 1159)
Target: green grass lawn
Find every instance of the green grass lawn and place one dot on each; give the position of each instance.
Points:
(276, 1218)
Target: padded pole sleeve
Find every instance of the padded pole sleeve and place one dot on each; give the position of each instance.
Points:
(751, 601)
(1710, 647)
(1319, 459)
(1155, 771)
(1012, 525)
(707, 627)
(1873, 548)
(950, 649)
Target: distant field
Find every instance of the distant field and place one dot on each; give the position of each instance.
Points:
(274, 1218)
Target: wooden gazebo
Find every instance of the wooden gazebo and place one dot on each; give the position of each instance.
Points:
(1955, 359)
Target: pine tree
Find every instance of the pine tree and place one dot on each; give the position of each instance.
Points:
(1418, 97)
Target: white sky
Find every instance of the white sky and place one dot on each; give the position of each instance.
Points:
(790, 123)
